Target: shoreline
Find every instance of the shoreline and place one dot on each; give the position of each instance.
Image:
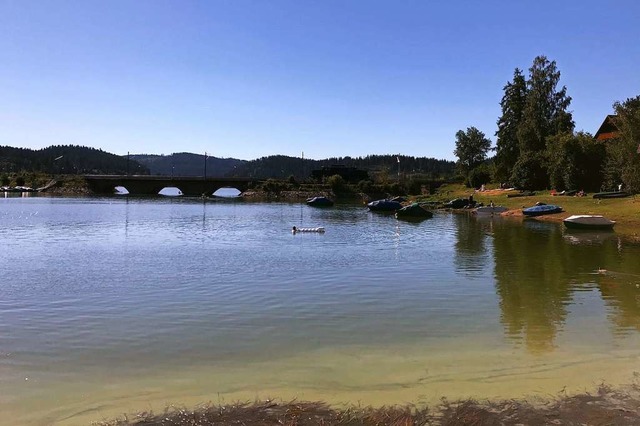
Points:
(603, 405)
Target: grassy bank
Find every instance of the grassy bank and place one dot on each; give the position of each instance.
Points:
(604, 406)
(625, 211)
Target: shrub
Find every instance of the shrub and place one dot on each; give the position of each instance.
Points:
(479, 176)
(336, 182)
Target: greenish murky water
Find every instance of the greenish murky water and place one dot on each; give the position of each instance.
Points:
(115, 305)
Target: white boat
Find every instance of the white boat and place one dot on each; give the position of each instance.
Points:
(490, 210)
(588, 221)
(319, 229)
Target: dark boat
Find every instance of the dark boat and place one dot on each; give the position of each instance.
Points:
(384, 206)
(319, 202)
(541, 210)
(413, 212)
(521, 194)
(457, 203)
(612, 194)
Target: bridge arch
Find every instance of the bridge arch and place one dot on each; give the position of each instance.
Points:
(171, 191)
(227, 192)
(152, 185)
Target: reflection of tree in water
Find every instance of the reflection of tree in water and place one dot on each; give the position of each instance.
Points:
(530, 262)
(620, 290)
(536, 272)
(471, 254)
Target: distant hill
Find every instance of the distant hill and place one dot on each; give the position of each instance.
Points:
(187, 164)
(71, 159)
(281, 166)
(66, 159)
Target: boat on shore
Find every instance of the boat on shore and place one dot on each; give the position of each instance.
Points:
(521, 194)
(490, 210)
(541, 210)
(588, 221)
(612, 194)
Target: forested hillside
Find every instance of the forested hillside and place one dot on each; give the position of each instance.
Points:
(281, 166)
(66, 159)
(83, 160)
(188, 164)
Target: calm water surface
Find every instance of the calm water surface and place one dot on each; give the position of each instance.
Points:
(115, 305)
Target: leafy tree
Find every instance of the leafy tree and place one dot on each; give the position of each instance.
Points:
(623, 158)
(4, 180)
(507, 146)
(471, 149)
(530, 172)
(575, 161)
(479, 176)
(542, 115)
(545, 112)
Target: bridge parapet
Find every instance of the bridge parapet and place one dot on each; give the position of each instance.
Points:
(151, 185)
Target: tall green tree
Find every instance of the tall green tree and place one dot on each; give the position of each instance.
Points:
(545, 114)
(623, 152)
(507, 146)
(472, 147)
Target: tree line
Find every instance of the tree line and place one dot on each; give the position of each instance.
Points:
(280, 166)
(66, 159)
(72, 159)
(537, 146)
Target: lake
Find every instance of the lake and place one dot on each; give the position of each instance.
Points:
(116, 305)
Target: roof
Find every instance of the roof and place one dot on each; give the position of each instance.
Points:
(608, 129)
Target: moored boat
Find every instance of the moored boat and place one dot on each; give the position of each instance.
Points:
(413, 212)
(384, 205)
(319, 202)
(457, 203)
(588, 221)
(541, 210)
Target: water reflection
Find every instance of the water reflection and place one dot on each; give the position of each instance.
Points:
(577, 236)
(530, 273)
(471, 255)
(538, 269)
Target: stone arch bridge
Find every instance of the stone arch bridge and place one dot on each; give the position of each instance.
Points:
(151, 185)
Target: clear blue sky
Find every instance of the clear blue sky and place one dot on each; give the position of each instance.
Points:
(246, 79)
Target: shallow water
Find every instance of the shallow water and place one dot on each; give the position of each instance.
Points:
(113, 305)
